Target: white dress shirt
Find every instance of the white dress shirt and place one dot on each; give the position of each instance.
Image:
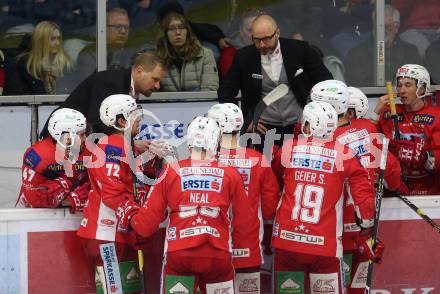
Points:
(272, 63)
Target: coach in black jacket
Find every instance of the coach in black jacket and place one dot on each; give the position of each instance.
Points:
(142, 78)
(258, 68)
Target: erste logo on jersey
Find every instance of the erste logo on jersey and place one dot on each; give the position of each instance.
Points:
(201, 178)
(313, 162)
(113, 154)
(245, 174)
(32, 159)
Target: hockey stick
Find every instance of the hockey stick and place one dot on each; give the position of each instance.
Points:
(378, 202)
(395, 120)
(137, 200)
(419, 211)
(274, 95)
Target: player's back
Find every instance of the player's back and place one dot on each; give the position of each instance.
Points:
(309, 219)
(198, 195)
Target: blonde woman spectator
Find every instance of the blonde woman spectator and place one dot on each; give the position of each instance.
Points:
(190, 66)
(41, 67)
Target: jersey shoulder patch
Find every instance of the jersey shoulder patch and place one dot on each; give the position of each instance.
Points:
(113, 154)
(32, 159)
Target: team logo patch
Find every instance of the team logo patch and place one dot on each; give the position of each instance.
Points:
(245, 174)
(302, 238)
(423, 119)
(32, 159)
(171, 234)
(313, 162)
(201, 183)
(113, 154)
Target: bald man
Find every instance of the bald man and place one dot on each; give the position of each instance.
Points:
(268, 62)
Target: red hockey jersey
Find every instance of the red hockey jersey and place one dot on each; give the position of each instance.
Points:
(362, 137)
(111, 181)
(44, 180)
(423, 123)
(262, 190)
(198, 196)
(309, 219)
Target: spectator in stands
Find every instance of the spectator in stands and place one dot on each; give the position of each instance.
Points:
(52, 173)
(118, 54)
(190, 66)
(243, 37)
(259, 68)
(210, 36)
(360, 66)
(239, 39)
(432, 61)
(420, 22)
(346, 24)
(41, 67)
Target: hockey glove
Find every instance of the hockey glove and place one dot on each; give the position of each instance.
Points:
(365, 246)
(411, 154)
(78, 198)
(125, 211)
(56, 193)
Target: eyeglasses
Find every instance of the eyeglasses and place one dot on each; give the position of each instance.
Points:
(174, 29)
(119, 27)
(264, 39)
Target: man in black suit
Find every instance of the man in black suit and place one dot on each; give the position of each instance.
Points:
(270, 61)
(143, 78)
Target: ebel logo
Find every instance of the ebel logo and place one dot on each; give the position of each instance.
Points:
(240, 252)
(196, 231)
(302, 238)
(313, 162)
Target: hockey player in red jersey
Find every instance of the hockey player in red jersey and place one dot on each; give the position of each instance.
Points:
(260, 184)
(361, 136)
(417, 147)
(308, 226)
(198, 193)
(52, 172)
(111, 179)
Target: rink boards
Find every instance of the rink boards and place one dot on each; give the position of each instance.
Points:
(40, 253)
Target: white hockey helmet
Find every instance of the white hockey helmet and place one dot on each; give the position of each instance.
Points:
(114, 105)
(322, 119)
(416, 72)
(203, 132)
(331, 91)
(228, 115)
(66, 120)
(358, 101)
